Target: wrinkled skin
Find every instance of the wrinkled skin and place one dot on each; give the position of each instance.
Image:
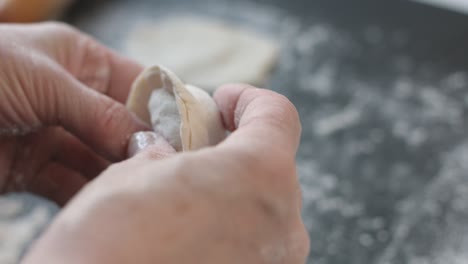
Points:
(238, 202)
(61, 117)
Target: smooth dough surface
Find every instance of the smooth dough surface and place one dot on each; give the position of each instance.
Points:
(205, 53)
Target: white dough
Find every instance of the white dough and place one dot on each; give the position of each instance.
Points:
(165, 117)
(205, 53)
(186, 116)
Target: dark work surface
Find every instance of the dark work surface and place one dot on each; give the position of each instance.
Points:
(382, 90)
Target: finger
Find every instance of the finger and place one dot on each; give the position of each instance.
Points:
(57, 183)
(35, 150)
(123, 72)
(30, 153)
(72, 153)
(100, 122)
(92, 63)
(149, 146)
(101, 68)
(96, 65)
(52, 96)
(261, 119)
(7, 152)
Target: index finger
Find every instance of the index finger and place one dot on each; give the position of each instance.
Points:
(92, 63)
(262, 120)
(122, 74)
(111, 73)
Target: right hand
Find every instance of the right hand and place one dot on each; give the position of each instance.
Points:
(238, 202)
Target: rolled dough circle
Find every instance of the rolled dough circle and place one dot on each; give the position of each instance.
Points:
(204, 52)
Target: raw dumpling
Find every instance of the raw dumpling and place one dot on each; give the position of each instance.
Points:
(186, 116)
(206, 53)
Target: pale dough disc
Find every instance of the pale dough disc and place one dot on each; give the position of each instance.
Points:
(205, 53)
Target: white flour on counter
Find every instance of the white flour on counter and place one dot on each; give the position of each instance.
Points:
(380, 133)
(23, 217)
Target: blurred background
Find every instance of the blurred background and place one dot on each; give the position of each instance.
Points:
(382, 90)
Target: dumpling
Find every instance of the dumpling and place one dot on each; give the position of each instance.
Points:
(186, 116)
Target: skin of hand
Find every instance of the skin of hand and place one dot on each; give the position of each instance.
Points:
(237, 202)
(62, 121)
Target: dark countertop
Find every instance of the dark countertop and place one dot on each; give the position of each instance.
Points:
(382, 89)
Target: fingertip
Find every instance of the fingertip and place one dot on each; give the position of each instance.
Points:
(114, 126)
(149, 145)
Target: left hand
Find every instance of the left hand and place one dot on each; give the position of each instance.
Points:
(62, 120)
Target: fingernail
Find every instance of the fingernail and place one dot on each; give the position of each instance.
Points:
(141, 140)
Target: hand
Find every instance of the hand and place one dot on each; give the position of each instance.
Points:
(61, 117)
(238, 202)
